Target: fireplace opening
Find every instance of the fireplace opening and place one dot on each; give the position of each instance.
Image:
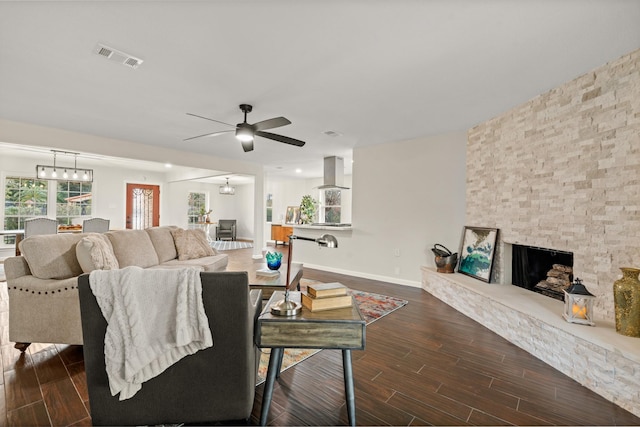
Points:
(542, 270)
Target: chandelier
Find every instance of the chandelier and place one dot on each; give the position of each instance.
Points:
(227, 189)
(64, 173)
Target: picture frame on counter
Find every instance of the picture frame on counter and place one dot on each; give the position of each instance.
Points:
(292, 215)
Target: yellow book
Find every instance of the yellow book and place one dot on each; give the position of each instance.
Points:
(323, 290)
(328, 303)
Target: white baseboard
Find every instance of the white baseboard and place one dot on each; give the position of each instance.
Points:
(394, 280)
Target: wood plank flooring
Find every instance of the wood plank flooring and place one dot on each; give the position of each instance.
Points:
(425, 364)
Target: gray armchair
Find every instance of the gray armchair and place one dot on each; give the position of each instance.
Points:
(35, 226)
(212, 385)
(226, 229)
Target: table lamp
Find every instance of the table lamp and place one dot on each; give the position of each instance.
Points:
(286, 307)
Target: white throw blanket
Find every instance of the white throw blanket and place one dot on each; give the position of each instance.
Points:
(155, 318)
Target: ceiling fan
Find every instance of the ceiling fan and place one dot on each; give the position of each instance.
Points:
(246, 132)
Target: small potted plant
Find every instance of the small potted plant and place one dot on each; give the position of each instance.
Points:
(204, 215)
(307, 209)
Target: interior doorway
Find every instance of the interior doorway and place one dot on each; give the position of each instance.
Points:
(143, 206)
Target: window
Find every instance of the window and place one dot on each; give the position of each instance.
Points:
(73, 200)
(269, 207)
(24, 198)
(332, 208)
(196, 208)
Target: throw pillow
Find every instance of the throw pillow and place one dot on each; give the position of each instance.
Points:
(94, 252)
(52, 256)
(191, 244)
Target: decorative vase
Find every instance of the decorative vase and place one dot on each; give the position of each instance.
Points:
(626, 298)
(274, 260)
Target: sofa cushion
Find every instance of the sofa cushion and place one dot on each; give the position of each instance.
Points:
(133, 247)
(210, 263)
(95, 252)
(163, 242)
(191, 244)
(52, 256)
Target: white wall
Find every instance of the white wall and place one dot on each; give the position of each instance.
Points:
(407, 196)
(238, 207)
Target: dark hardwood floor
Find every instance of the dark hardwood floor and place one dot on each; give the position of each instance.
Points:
(425, 364)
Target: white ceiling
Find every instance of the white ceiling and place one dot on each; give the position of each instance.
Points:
(372, 71)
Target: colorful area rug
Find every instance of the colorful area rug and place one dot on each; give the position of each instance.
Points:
(372, 306)
(229, 245)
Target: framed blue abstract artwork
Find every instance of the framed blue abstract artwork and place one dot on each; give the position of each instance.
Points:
(476, 252)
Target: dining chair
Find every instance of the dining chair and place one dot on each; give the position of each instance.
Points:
(95, 225)
(35, 226)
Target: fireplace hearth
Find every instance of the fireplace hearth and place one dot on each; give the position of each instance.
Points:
(542, 270)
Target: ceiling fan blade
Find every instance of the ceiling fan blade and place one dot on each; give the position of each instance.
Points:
(209, 134)
(247, 146)
(207, 118)
(281, 138)
(271, 123)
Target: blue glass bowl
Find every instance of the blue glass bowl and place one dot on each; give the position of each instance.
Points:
(274, 264)
(274, 260)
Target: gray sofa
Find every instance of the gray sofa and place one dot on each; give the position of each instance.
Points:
(42, 282)
(215, 384)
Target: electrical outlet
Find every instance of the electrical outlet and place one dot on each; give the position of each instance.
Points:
(396, 252)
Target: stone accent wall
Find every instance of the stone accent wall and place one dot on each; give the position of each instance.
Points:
(562, 171)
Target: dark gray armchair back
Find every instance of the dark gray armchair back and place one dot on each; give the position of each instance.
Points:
(215, 384)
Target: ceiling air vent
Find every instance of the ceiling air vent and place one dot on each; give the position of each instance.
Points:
(117, 56)
(103, 51)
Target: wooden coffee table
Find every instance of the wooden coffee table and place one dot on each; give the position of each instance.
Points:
(269, 285)
(341, 328)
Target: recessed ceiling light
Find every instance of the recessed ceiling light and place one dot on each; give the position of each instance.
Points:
(298, 170)
(167, 165)
(331, 133)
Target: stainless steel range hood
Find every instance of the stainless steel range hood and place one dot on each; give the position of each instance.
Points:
(333, 173)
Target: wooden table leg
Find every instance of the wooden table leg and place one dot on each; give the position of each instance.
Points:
(348, 386)
(275, 358)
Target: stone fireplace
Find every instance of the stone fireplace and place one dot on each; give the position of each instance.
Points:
(561, 171)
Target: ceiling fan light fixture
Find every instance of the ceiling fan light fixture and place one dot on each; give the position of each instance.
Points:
(244, 134)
